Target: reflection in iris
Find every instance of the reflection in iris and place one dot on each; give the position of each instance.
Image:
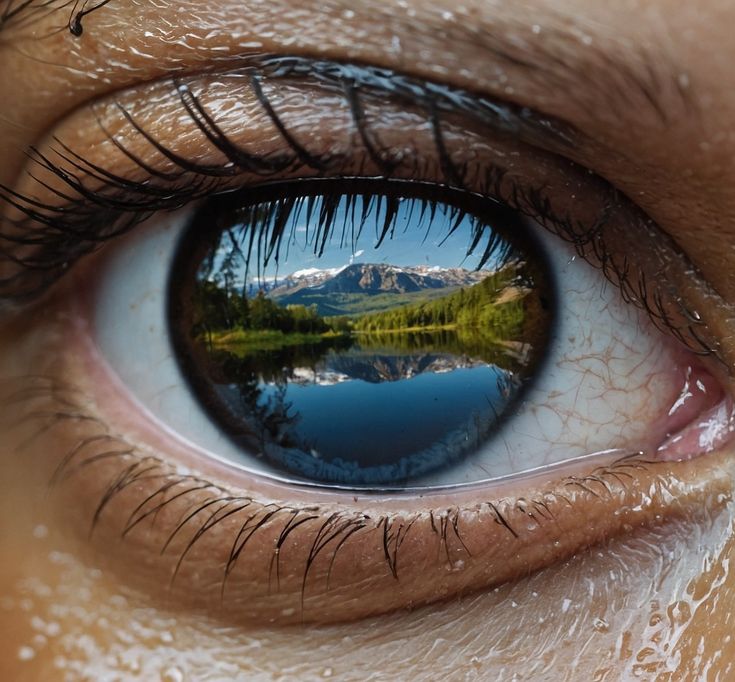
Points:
(357, 337)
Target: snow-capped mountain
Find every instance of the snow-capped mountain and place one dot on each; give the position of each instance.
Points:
(370, 278)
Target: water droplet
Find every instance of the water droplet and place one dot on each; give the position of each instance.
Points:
(172, 674)
(679, 613)
(601, 625)
(26, 653)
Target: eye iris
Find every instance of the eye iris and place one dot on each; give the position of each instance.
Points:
(360, 333)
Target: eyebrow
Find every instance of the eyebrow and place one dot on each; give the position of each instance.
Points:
(637, 80)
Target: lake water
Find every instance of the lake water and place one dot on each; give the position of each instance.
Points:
(369, 409)
(376, 424)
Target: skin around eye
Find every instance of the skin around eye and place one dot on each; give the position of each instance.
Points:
(657, 604)
(288, 555)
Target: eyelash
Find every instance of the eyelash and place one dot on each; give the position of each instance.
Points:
(332, 533)
(65, 232)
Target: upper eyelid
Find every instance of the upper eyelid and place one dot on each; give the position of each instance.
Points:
(507, 118)
(514, 122)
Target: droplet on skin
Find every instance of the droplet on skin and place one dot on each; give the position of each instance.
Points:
(26, 653)
(172, 675)
(601, 625)
(40, 532)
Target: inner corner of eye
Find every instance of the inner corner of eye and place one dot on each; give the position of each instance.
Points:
(377, 334)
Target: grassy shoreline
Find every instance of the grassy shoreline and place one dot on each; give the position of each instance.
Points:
(267, 339)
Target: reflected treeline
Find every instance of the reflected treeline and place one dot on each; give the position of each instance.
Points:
(276, 365)
(254, 417)
(469, 342)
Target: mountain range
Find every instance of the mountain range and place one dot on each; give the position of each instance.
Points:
(362, 288)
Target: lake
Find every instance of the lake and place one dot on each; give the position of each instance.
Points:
(375, 409)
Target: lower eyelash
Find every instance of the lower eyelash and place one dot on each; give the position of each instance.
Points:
(158, 487)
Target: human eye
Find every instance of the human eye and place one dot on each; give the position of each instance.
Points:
(107, 413)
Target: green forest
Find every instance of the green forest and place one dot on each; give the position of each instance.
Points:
(494, 309)
(475, 307)
(217, 311)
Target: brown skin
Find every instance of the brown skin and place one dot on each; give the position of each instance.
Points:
(654, 594)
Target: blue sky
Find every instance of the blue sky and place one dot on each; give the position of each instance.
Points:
(410, 245)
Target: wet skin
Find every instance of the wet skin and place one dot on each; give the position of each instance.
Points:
(634, 579)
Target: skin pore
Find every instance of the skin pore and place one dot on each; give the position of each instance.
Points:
(647, 87)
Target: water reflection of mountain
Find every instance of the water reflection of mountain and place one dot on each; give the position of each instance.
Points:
(372, 357)
(374, 368)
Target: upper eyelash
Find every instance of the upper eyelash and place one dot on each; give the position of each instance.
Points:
(125, 203)
(76, 226)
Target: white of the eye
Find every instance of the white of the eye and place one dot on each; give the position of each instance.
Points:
(607, 378)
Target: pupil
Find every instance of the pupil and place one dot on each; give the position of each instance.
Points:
(363, 333)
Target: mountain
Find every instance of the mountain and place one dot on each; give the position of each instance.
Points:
(364, 287)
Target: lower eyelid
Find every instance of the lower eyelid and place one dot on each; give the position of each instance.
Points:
(258, 556)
